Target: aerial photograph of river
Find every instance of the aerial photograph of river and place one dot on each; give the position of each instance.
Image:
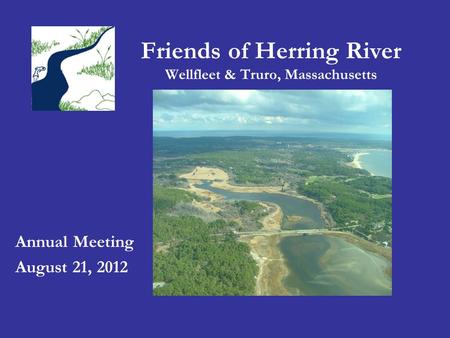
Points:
(272, 193)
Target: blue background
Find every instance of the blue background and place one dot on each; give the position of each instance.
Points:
(90, 173)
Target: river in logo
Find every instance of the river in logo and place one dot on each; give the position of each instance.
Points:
(73, 68)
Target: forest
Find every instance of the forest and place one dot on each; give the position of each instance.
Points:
(373, 184)
(350, 203)
(193, 257)
(324, 162)
(245, 166)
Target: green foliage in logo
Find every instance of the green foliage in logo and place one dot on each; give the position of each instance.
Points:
(103, 68)
(85, 39)
(39, 47)
(67, 106)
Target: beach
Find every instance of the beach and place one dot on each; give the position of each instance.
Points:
(271, 263)
(356, 163)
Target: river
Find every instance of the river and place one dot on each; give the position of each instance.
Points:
(320, 264)
(292, 206)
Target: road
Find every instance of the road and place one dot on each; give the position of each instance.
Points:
(291, 232)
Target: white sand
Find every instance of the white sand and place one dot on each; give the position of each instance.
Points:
(356, 163)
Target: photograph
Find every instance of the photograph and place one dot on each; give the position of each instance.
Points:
(272, 192)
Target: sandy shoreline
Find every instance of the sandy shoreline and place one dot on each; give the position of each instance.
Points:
(356, 163)
(272, 222)
(271, 263)
(268, 256)
(209, 195)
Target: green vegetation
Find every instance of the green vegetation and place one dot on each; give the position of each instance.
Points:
(175, 147)
(256, 161)
(214, 266)
(193, 257)
(274, 166)
(67, 106)
(39, 47)
(165, 198)
(81, 37)
(246, 214)
(103, 68)
(171, 180)
(374, 185)
(320, 161)
(349, 206)
(246, 207)
(245, 166)
(85, 40)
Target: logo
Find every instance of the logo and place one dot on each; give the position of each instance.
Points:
(73, 68)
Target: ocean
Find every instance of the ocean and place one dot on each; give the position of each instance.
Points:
(378, 162)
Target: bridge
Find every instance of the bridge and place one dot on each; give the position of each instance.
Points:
(293, 232)
(280, 232)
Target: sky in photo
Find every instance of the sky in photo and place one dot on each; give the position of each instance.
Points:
(292, 111)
